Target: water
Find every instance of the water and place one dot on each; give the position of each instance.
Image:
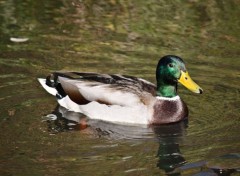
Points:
(125, 37)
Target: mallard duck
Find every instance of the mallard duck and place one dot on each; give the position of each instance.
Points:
(125, 99)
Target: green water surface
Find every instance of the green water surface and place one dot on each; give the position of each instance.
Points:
(124, 37)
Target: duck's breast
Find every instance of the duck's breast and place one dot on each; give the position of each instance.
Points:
(168, 111)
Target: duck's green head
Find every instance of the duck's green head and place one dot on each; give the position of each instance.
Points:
(171, 70)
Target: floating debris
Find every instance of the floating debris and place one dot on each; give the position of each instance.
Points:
(18, 40)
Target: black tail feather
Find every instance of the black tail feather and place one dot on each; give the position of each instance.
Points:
(55, 84)
(49, 82)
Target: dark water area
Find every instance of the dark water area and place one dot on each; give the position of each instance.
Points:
(124, 37)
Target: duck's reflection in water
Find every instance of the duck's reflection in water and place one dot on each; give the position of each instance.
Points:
(169, 138)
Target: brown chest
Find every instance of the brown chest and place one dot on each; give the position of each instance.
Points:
(165, 111)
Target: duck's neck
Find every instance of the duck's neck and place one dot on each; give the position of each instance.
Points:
(164, 90)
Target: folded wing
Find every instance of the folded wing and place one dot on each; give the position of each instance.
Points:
(122, 90)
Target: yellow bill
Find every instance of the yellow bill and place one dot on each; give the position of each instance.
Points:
(186, 80)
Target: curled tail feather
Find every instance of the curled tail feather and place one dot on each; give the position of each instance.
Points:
(52, 86)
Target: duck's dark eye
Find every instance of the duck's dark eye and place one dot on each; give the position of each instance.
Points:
(170, 65)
